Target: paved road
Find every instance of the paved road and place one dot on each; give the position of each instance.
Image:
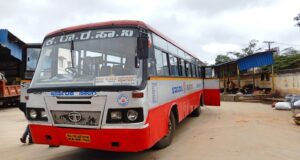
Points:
(242, 131)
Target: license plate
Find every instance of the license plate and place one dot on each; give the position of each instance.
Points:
(78, 138)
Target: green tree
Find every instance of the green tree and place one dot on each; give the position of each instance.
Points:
(230, 56)
(289, 51)
(251, 48)
(289, 59)
(222, 59)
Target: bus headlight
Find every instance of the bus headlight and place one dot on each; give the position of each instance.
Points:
(43, 114)
(33, 114)
(37, 114)
(125, 115)
(132, 115)
(116, 115)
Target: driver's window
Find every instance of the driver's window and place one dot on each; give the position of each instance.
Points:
(46, 63)
(32, 58)
(64, 60)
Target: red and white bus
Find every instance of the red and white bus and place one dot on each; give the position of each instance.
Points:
(117, 86)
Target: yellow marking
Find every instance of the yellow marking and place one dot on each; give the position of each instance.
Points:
(210, 78)
(174, 78)
(78, 138)
(25, 81)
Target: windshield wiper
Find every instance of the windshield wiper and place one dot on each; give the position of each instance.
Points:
(71, 51)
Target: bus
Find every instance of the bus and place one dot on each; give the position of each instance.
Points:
(116, 86)
(30, 55)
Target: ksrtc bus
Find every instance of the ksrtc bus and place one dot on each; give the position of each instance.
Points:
(117, 86)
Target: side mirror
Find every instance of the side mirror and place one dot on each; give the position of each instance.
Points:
(142, 46)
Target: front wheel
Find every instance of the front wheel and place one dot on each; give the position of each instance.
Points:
(167, 139)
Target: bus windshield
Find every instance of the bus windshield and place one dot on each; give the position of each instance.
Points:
(89, 58)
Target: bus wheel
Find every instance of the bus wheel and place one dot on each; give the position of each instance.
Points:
(196, 112)
(167, 139)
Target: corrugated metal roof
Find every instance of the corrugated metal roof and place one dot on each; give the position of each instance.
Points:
(11, 42)
(256, 60)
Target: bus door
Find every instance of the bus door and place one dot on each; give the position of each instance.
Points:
(31, 54)
(211, 87)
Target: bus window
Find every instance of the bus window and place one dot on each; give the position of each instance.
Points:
(199, 72)
(173, 65)
(195, 70)
(182, 66)
(161, 63)
(32, 58)
(209, 72)
(187, 69)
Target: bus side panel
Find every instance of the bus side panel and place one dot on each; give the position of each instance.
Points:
(157, 119)
(212, 92)
(158, 116)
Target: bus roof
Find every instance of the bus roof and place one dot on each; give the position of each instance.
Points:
(118, 23)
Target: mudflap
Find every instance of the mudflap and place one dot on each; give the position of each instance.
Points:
(212, 92)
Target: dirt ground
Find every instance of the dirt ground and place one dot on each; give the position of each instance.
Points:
(241, 131)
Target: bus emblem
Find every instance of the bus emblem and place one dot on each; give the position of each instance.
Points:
(123, 100)
(74, 117)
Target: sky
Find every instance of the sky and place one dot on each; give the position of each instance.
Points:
(204, 27)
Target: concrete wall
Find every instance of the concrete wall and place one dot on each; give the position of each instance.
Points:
(287, 83)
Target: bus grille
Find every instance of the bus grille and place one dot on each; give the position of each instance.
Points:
(83, 118)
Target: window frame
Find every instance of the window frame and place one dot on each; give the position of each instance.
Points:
(182, 57)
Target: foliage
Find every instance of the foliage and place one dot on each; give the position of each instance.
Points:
(250, 49)
(230, 56)
(289, 59)
(222, 59)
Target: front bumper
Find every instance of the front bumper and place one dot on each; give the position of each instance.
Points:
(119, 140)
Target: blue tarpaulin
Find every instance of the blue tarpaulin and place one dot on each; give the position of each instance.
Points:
(8, 40)
(255, 60)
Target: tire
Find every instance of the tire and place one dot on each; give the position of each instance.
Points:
(196, 112)
(167, 139)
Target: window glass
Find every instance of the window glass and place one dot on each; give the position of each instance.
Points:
(32, 58)
(199, 72)
(101, 61)
(192, 70)
(209, 72)
(173, 65)
(162, 68)
(158, 41)
(196, 70)
(182, 68)
(187, 69)
(181, 54)
(172, 49)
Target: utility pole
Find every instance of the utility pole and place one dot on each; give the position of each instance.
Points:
(269, 44)
(272, 67)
